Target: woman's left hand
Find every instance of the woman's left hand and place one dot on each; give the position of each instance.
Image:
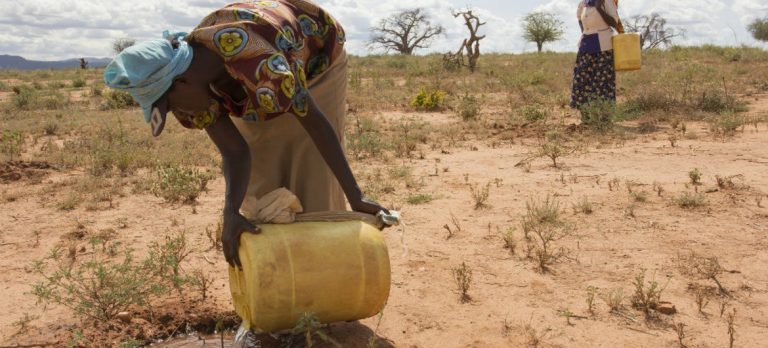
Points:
(365, 205)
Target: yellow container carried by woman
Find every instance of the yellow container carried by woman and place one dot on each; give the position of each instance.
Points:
(626, 52)
(337, 270)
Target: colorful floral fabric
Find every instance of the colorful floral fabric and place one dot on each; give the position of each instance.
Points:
(593, 78)
(273, 48)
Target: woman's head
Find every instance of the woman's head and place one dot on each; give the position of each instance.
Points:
(163, 76)
(147, 70)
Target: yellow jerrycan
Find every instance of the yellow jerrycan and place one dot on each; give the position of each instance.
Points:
(337, 270)
(626, 52)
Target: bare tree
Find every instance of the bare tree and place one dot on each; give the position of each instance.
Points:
(759, 29)
(472, 44)
(542, 27)
(404, 32)
(653, 30)
(120, 44)
(83, 64)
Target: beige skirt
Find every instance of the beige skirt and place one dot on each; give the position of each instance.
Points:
(283, 154)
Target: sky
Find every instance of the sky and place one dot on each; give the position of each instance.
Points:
(63, 29)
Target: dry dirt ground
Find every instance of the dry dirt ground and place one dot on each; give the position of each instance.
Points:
(512, 304)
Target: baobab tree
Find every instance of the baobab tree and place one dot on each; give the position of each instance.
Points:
(653, 29)
(405, 31)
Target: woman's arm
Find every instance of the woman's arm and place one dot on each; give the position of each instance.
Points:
(236, 165)
(322, 134)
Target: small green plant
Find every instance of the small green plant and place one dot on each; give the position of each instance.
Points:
(10, 144)
(176, 183)
(647, 294)
(463, 277)
(468, 107)
(480, 194)
(429, 100)
(615, 300)
(417, 199)
(309, 327)
(695, 176)
(510, 242)
(691, 200)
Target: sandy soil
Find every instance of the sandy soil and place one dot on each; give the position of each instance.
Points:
(609, 248)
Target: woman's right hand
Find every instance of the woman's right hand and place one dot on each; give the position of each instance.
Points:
(234, 225)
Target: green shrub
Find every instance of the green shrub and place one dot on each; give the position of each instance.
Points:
(101, 287)
(691, 201)
(176, 183)
(717, 103)
(651, 100)
(726, 124)
(534, 113)
(419, 199)
(598, 115)
(24, 97)
(54, 100)
(115, 99)
(78, 82)
(432, 100)
(468, 107)
(10, 143)
(365, 140)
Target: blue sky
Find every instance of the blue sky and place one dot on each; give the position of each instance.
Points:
(55, 29)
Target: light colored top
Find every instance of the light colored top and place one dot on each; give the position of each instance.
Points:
(594, 24)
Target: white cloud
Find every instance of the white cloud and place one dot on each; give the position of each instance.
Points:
(53, 29)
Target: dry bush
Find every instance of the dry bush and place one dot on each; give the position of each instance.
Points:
(544, 227)
(689, 200)
(480, 194)
(701, 267)
(462, 275)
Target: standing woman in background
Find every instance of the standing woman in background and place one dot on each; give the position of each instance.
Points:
(594, 77)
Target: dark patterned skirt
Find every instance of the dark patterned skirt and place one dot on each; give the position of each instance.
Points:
(594, 77)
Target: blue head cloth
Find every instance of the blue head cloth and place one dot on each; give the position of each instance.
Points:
(146, 70)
